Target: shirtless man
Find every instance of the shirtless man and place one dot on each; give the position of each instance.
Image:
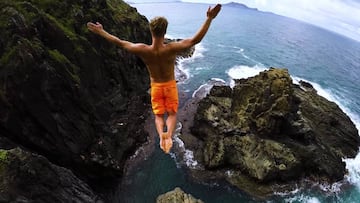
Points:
(160, 61)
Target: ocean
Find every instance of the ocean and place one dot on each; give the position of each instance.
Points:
(239, 44)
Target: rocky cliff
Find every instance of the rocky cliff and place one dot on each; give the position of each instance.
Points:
(29, 177)
(267, 132)
(67, 96)
(177, 196)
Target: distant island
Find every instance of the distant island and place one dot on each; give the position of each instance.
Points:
(239, 5)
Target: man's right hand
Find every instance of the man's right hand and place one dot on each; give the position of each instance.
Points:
(212, 12)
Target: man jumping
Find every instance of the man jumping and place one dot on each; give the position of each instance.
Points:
(160, 62)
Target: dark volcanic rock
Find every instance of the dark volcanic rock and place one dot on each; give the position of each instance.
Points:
(68, 94)
(266, 131)
(27, 177)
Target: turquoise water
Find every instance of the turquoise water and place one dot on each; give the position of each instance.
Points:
(239, 44)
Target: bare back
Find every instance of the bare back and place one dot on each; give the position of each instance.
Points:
(160, 62)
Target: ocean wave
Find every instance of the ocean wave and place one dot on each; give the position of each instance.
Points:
(182, 72)
(240, 51)
(301, 193)
(204, 89)
(242, 71)
(296, 196)
(353, 167)
(302, 198)
(198, 53)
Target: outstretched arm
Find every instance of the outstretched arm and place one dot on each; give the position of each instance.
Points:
(210, 15)
(99, 30)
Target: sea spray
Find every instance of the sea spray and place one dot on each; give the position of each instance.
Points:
(242, 71)
(204, 89)
(331, 96)
(303, 199)
(187, 155)
(353, 167)
(182, 72)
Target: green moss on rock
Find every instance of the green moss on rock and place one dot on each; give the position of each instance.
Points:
(71, 69)
(69, 32)
(7, 56)
(3, 160)
(3, 155)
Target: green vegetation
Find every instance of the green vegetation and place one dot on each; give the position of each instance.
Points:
(3, 160)
(121, 11)
(68, 32)
(55, 54)
(71, 69)
(22, 44)
(44, 3)
(8, 55)
(3, 155)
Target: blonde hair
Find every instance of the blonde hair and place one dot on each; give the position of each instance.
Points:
(158, 26)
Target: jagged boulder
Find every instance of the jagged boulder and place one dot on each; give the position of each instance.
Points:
(27, 177)
(268, 130)
(67, 94)
(177, 196)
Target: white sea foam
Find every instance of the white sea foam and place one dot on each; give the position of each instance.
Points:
(204, 89)
(283, 194)
(188, 155)
(189, 159)
(242, 71)
(198, 53)
(302, 198)
(181, 72)
(182, 63)
(331, 188)
(353, 167)
(242, 52)
(297, 196)
(331, 96)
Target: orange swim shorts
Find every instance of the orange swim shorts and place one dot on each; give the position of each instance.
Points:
(164, 97)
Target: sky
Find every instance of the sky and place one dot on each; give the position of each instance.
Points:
(340, 16)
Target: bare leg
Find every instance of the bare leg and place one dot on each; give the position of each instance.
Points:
(171, 124)
(159, 123)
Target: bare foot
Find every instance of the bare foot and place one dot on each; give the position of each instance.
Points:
(162, 141)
